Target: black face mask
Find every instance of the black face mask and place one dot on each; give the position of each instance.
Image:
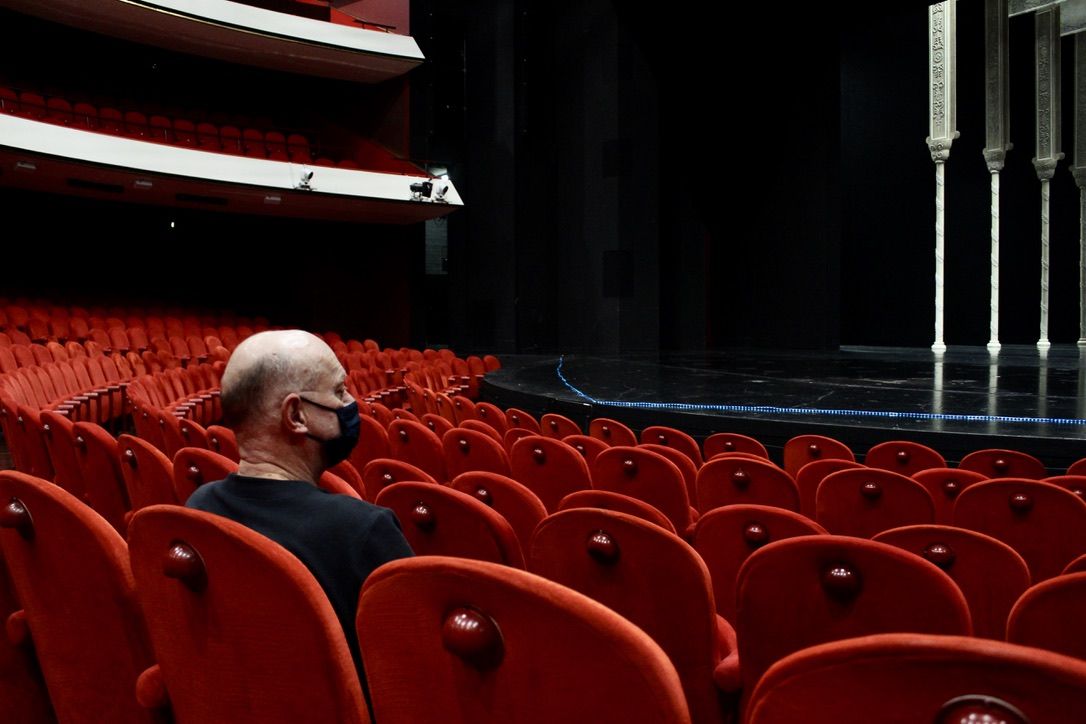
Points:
(337, 449)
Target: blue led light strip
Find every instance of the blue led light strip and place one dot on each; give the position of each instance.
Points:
(812, 411)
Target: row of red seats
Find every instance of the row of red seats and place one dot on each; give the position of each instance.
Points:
(272, 145)
(188, 564)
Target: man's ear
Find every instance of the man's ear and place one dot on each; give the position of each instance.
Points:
(292, 416)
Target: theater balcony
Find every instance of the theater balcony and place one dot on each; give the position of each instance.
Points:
(328, 43)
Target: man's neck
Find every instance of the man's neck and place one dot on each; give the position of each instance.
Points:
(275, 471)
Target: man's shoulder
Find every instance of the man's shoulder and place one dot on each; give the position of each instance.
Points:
(203, 495)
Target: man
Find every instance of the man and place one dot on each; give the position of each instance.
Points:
(283, 394)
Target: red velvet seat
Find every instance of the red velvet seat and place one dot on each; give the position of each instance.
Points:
(673, 438)
(416, 444)
(372, 442)
(647, 476)
(945, 485)
(135, 124)
(735, 480)
(160, 129)
(619, 503)
(811, 475)
(184, 132)
(513, 434)
(1050, 616)
(803, 591)
(515, 418)
(611, 432)
(59, 111)
(440, 425)
(996, 463)
(252, 143)
(558, 426)
(1075, 483)
(223, 441)
(9, 101)
(148, 473)
(492, 415)
(914, 678)
(479, 426)
(298, 147)
(472, 450)
(207, 137)
(440, 521)
(803, 449)
(1077, 468)
(903, 456)
(1043, 522)
(465, 642)
(685, 465)
(515, 502)
(241, 629)
(22, 687)
(652, 578)
(866, 501)
(732, 442)
(727, 536)
(276, 145)
(193, 467)
(464, 410)
(32, 105)
(59, 435)
(589, 447)
(549, 468)
(71, 573)
(230, 138)
(383, 472)
(98, 456)
(989, 573)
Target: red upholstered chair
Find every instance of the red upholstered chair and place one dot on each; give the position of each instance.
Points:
(445, 407)
(298, 147)
(654, 579)
(148, 473)
(915, 678)
(811, 475)
(589, 447)
(732, 442)
(803, 449)
(647, 476)
(193, 467)
(549, 468)
(726, 537)
(558, 426)
(809, 590)
(606, 500)
(479, 426)
(440, 521)
(685, 465)
(59, 435)
(1004, 464)
(241, 629)
(276, 144)
(902, 456)
(516, 503)
(463, 409)
(58, 110)
(673, 438)
(22, 687)
(492, 415)
(611, 432)
(1043, 522)
(223, 441)
(1050, 616)
(1076, 566)
(513, 434)
(383, 472)
(945, 485)
(349, 474)
(1075, 483)
(519, 418)
(70, 571)
(466, 642)
(372, 442)
(135, 124)
(473, 450)
(866, 501)
(1077, 468)
(749, 481)
(989, 573)
(207, 137)
(98, 456)
(329, 482)
(414, 443)
(437, 423)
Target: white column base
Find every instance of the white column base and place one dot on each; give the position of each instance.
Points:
(1043, 344)
(994, 346)
(938, 347)
(1082, 342)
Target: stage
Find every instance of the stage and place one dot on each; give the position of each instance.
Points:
(963, 400)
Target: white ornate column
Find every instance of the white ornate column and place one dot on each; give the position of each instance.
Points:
(1047, 52)
(942, 96)
(1079, 172)
(997, 122)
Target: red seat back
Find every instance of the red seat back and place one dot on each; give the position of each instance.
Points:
(866, 501)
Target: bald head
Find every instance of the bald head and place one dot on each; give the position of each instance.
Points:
(266, 367)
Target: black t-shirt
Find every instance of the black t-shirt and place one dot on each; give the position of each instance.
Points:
(340, 539)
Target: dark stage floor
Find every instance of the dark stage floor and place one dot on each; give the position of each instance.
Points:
(963, 400)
